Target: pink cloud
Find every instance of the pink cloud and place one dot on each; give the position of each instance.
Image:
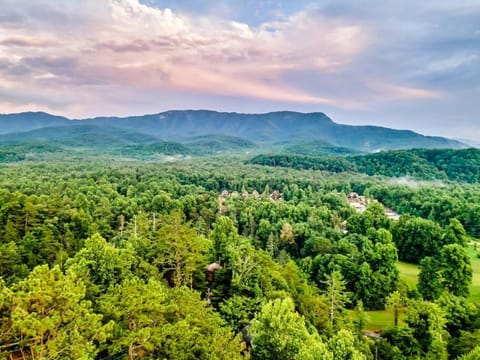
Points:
(142, 48)
(23, 41)
(397, 92)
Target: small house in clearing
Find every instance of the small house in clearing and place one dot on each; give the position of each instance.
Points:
(360, 204)
(391, 214)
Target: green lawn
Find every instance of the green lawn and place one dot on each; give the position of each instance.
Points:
(475, 289)
(379, 320)
(408, 273)
(382, 319)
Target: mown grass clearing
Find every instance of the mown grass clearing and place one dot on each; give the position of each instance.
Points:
(408, 273)
(382, 319)
(475, 288)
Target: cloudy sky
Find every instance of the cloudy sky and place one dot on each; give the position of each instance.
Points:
(397, 63)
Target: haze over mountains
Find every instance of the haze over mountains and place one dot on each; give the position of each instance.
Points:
(211, 131)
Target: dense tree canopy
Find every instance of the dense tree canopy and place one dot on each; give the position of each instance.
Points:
(214, 259)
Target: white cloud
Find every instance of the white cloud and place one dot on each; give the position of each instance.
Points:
(452, 62)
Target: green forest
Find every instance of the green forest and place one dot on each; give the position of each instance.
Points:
(426, 164)
(222, 258)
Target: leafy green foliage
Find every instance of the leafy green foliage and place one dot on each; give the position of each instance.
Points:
(416, 238)
(149, 151)
(452, 272)
(455, 165)
(429, 281)
(278, 331)
(125, 246)
(336, 295)
(344, 347)
(50, 317)
(456, 270)
(152, 320)
(318, 148)
(428, 324)
(215, 144)
(474, 354)
(331, 164)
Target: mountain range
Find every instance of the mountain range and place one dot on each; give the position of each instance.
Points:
(210, 132)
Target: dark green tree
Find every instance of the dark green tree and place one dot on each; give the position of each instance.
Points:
(429, 280)
(456, 270)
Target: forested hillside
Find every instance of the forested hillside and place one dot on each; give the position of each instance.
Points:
(318, 148)
(214, 259)
(445, 164)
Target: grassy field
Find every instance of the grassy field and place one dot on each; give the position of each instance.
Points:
(475, 288)
(408, 273)
(379, 320)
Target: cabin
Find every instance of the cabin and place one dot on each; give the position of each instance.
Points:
(391, 214)
(360, 204)
(276, 195)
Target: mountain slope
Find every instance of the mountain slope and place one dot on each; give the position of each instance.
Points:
(456, 165)
(215, 144)
(10, 123)
(145, 151)
(265, 129)
(318, 148)
(77, 134)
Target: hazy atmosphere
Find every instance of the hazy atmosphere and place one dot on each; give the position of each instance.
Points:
(397, 64)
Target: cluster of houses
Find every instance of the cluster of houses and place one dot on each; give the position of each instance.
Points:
(356, 201)
(360, 204)
(275, 195)
(391, 214)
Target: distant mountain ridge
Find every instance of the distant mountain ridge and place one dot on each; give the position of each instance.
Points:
(78, 135)
(217, 128)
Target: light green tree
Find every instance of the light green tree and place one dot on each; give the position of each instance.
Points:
(154, 321)
(223, 235)
(313, 348)
(278, 331)
(196, 331)
(138, 310)
(336, 294)
(180, 249)
(395, 302)
(342, 345)
(100, 265)
(455, 233)
(50, 318)
(473, 355)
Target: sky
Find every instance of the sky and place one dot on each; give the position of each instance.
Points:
(405, 64)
